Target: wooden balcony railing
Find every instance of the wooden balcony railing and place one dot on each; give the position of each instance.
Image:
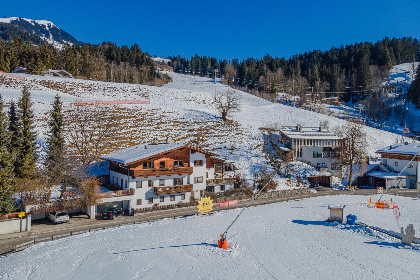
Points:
(220, 181)
(161, 172)
(174, 189)
(118, 193)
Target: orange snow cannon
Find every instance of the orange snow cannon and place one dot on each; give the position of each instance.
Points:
(222, 242)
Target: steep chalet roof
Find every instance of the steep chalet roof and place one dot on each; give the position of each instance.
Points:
(308, 133)
(143, 151)
(401, 149)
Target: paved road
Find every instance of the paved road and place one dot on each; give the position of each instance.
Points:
(82, 223)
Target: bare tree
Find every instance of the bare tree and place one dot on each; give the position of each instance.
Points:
(226, 103)
(86, 131)
(355, 148)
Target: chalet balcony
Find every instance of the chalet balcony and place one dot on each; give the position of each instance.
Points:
(174, 189)
(117, 193)
(220, 181)
(161, 172)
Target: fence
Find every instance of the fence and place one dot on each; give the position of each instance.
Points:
(164, 207)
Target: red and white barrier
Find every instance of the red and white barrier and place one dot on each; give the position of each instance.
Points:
(228, 203)
(12, 76)
(109, 102)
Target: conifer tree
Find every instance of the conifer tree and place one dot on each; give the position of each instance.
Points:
(6, 166)
(414, 90)
(14, 144)
(55, 141)
(26, 157)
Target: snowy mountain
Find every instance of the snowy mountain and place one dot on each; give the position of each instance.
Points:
(36, 31)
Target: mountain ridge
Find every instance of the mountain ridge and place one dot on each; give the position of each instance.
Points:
(35, 31)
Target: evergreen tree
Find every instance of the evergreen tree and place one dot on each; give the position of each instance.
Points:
(363, 72)
(26, 157)
(7, 178)
(414, 90)
(55, 141)
(14, 144)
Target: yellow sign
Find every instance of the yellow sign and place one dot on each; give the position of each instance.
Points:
(205, 205)
(21, 214)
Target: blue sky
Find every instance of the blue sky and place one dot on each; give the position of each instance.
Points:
(226, 29)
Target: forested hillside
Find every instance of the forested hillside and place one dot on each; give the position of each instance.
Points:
(103, 62)
(358, 66)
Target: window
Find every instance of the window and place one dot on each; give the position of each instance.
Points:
(162, 199)
(172, 197)
(148, 164)
(396, 163)
(138, 201)
(198, 179)
(222, 188)
(113, 179)
(335, 166)
(122, 182)
(210, 189)
(178, 181)
(161, 182)
(193, 151)
(150, 183)
(150, 200)
(198, 163)
(162, 164)
(183, 196)
(138, 184)
(323, 164)
(126, 185)
(178, 163)
(317, 155)
(207, 174)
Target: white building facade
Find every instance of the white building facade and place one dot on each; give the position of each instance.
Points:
(159, 174)
(403, 157)
(320, 148)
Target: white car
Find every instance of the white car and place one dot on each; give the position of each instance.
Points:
(59, 217)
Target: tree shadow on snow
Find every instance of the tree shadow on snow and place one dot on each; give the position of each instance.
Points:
(395, 245)
(165, 247)
(314, 223)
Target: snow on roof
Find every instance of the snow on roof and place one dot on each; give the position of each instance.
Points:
(402, 149)
(308, 133)
(141, 151)
(389, 175)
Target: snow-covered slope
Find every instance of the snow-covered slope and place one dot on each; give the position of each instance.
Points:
(288, 240)
(182, 110)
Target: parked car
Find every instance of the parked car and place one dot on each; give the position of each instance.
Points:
(111, 213)
(58, 217)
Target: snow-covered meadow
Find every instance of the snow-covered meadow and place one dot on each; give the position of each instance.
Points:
(181, 109)
(288, 240)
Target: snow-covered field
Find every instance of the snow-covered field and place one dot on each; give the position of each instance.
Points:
(181, 109)
(288, 240)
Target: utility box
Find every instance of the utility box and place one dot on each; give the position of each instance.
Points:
(336, 213)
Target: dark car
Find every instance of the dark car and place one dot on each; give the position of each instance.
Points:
(111, 213)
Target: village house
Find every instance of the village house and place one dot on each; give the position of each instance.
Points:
(314, 145)
(398, 158)
(161, 174)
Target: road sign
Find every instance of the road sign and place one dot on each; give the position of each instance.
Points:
(21, 214)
